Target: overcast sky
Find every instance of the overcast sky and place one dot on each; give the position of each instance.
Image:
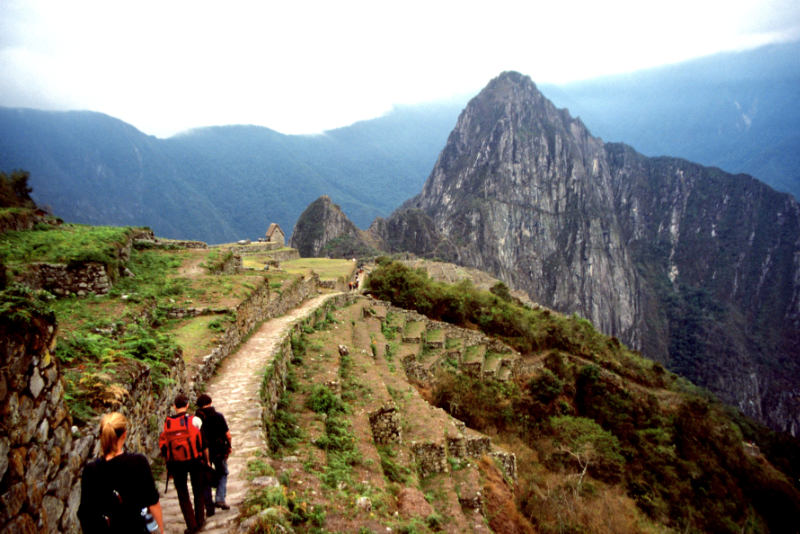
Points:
(303, 67)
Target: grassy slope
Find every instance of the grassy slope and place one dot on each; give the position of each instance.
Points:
(674, 450)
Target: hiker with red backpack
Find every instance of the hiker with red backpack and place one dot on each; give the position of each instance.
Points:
(181, 445)
(118, 493)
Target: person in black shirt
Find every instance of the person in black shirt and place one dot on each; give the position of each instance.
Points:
(117, 486)
(217, 438)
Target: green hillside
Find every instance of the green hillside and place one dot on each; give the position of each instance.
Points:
(587, 406)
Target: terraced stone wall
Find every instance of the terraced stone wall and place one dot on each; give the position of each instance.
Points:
(66, 280)
(275, 375)
(35, 478)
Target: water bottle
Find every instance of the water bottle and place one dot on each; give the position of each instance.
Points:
(149, 521)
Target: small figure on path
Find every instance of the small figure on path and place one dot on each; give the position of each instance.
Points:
(217, 438)
(118, 493)
(181, 444)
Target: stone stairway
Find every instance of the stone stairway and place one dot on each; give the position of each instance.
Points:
(235, 393)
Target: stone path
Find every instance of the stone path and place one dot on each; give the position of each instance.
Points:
(234, 390)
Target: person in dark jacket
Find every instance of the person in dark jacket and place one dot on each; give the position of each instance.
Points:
(117, 486)
(217, 437)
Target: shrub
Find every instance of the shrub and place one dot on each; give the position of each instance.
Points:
(323, 400)
(546, 387)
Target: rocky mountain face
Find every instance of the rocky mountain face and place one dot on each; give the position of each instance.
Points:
(692, 266)
(324, 230)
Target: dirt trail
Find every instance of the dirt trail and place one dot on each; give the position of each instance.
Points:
(234, 390)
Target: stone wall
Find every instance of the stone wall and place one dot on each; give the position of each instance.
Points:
(79, 278)
(35, 439)
(285, 255)
(275, 374)
(385, 425)
(253, 248)
(66, 280)
(147, 240)
(41, 454)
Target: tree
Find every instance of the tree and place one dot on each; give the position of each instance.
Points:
(592, 447)
(14, 190)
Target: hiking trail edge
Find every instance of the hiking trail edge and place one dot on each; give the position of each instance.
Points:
(234, 390)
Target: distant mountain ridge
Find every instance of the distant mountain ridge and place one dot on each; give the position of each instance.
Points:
(218, 184)
(736, 110)
(693, 266)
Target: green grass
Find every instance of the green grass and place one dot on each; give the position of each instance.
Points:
(68, 243)
(454, 343)
(327, 269)
(435, 335)
(195, 336)
(474, 353)
(414, 329)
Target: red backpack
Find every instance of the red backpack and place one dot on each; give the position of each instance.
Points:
(180, 440)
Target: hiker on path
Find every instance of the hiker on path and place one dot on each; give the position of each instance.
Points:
(117, 489)
(217, 438)
(181, 444)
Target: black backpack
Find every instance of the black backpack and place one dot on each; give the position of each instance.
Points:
(102, 509)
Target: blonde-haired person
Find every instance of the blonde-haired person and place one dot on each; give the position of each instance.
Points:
(118, 486)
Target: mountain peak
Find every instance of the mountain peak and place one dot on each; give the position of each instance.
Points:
(511, 87)
(324, 229)
(511, 79)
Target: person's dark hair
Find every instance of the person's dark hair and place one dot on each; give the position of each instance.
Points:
(181, 401)
(203, 400)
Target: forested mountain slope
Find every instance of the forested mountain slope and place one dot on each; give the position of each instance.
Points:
(218, 184)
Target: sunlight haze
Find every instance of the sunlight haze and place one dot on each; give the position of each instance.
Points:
(305, 67)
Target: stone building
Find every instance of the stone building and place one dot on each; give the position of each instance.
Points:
(275, 234)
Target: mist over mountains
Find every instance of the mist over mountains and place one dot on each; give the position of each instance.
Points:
(735, 111)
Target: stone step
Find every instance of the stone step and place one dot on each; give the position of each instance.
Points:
(413, 332)
(434, 338)
(491, 364)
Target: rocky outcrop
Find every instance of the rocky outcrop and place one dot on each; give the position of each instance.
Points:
(324, 230)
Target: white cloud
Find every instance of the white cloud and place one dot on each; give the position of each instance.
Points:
(305, 66)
